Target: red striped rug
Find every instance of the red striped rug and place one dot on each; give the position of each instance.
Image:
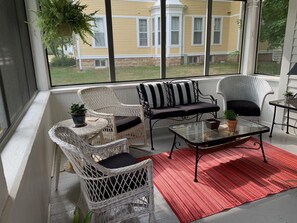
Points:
(227, 178)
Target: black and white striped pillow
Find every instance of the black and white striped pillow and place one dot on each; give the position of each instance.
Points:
(155, 94)
(182, 93)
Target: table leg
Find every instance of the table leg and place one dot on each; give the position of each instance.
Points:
(173, 144)
(196, 165)
(273, 121)
(261, 145)
(57, 166)
(288, 117)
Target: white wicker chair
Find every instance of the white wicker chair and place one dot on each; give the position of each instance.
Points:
(102, 102)
(243, 89)
(112, 189)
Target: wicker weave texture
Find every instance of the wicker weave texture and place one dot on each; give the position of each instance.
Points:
(243, 87)
(112, 195)
(102, 102)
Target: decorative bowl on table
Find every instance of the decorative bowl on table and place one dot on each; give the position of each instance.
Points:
(212, 123)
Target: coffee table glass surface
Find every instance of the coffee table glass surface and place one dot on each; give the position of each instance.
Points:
(202, 138)
(197, 133)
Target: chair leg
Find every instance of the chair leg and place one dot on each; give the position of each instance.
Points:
(152, 218)
(151, 135)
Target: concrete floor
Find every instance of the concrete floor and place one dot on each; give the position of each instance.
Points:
(279, 208)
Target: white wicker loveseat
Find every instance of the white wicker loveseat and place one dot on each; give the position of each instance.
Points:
(244, 94)
(115, 187)
(124, 121)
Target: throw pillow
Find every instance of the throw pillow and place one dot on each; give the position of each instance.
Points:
(182, 93)
(155, 94)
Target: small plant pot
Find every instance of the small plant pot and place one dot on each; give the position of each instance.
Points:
(288, 99)
(79, 119)
(232, 125)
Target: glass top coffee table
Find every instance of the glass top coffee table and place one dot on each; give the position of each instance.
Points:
(204, 139)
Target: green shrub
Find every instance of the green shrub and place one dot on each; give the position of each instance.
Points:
(63, 62)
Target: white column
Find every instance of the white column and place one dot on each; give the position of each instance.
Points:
(38, 52)
(251, 37)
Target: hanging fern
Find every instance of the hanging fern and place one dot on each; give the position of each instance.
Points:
(56, 16)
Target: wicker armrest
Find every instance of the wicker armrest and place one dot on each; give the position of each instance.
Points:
(91, 112)
(101, 152)
(145, 165)
(128, 110)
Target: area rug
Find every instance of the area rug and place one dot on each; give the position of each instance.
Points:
(227, 178)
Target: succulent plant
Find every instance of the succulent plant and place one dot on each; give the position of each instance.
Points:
(230, 115)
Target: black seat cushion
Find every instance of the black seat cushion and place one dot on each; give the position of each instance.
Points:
(169, 112)
(118, 161)
(244, 107)
(126, 122)
(183, 110)
(117, 185)
(200, 107)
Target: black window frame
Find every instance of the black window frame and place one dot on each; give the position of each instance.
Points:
(22, 67)
(162, 16)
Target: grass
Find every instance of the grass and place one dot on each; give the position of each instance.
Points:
(71, 75)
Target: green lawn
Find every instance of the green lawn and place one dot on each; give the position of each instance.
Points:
(71, 75)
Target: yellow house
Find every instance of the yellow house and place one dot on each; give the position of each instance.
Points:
(136, 33)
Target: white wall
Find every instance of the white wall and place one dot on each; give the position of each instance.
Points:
(26, 163)
(62, 99)
(3, 190)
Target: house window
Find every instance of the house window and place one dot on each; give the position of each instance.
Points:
(100, 63)
(194, 59)
(143, 32)
(198, 31)
(99, 33)
(175, 30)
(217, 30)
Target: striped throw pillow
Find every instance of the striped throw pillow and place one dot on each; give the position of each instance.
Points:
(182, 93)
(155, 94)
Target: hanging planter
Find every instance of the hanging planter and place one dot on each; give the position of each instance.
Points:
(62, 18)
(65, 30)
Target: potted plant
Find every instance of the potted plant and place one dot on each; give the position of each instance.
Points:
(58, 18)
(288, 95)
(86, 219)
(231, 116)
(78, 113)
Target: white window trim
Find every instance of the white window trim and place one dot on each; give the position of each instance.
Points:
(203, 24)
(179, 30)
(147, 32)
(105, 33)
(212, 30)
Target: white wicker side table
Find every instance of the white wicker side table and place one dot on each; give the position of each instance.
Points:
(89, 133)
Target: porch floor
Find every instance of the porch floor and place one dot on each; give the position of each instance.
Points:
(279, 208)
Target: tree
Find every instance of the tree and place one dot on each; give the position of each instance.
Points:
(58, 45)
(274, 18)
